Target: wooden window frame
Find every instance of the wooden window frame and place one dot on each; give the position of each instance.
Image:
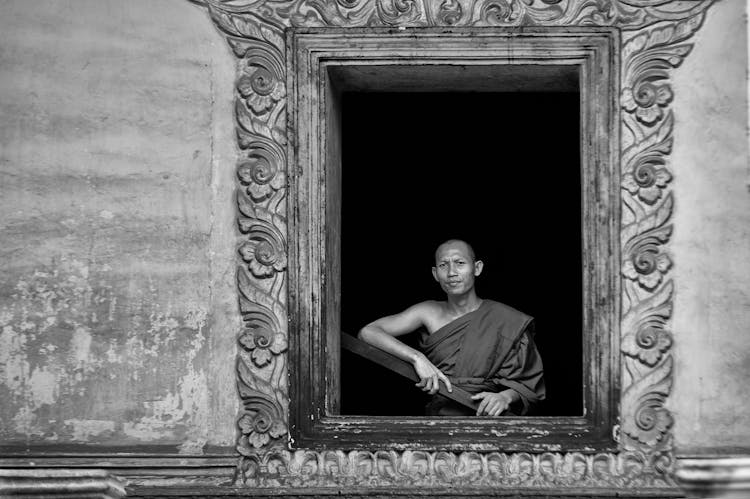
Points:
(314, 230)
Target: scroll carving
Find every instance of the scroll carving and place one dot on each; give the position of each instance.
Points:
(655, 40)
(627, 14)
(261, 173)
(648, 56)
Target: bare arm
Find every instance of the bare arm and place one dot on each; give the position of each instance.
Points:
(382, 334)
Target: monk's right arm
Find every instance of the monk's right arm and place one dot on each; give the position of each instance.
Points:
(382, 334)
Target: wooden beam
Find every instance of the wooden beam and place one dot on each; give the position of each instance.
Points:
(393, 363)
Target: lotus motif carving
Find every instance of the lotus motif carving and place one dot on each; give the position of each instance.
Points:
(263, 344)
(260, 427)
(648, 179)
(262, 89)
(647, 345)
(261, 175)
(647, 101)
(647, 265)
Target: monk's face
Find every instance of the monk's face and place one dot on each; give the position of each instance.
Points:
(455, 269)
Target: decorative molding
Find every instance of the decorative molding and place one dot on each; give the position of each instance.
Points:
(648, 56)
(655, 40)
(470, 470)
(133, 469)
(60, 483)
(715, 477)
(625, 14)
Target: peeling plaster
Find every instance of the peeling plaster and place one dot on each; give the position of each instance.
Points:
(189, 404)
(83, 429)
(61, 359)
(145, 431)
(112, 238)
(43, 387)
(14, 366)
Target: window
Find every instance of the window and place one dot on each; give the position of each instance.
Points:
(420, 167)
(337, 70)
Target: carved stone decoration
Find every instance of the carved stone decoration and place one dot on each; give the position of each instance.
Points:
(461, 471)
(261, 172)
(648, 56)
(655, 39)
(628, 14)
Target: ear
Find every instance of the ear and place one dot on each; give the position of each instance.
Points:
(478, 266)
(434, 273)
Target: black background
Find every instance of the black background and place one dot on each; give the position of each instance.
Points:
(500, 170)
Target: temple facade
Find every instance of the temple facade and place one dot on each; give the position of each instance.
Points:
(170, 185)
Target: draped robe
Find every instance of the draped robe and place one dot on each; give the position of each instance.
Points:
(487, 350)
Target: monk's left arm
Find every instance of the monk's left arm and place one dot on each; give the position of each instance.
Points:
(523, 373)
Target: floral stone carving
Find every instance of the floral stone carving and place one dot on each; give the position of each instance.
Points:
(655, 39)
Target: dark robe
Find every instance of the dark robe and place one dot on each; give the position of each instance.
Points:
(487, 350)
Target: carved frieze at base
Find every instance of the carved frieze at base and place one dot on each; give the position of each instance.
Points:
(467, 470)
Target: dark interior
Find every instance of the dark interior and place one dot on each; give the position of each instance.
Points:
(500, 170)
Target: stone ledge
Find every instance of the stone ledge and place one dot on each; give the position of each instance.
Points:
(380, 493)
(714, 477)
(59, 483)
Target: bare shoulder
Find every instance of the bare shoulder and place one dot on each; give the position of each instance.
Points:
(431, 313)
(421, 314)
(429, 309)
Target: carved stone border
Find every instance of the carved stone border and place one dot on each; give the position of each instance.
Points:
(655, 36)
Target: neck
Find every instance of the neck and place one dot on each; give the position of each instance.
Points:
(463, 304)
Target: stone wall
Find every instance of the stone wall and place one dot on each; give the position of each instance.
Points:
(117, 307)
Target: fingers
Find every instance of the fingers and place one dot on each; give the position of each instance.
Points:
(434, 384)
(482, 409)
(480, 396)
(430, 376)
(424, 384)
(429, 384)
(446, 381)
(491, 404)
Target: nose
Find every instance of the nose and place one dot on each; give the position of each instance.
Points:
(452, 269)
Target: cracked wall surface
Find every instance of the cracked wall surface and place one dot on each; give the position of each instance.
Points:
(117, 311)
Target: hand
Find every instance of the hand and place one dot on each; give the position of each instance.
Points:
(494, 404)
(430, 376)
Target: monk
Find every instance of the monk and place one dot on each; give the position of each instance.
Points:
(480, 345)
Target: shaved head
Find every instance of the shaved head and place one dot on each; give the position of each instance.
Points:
(457, 242)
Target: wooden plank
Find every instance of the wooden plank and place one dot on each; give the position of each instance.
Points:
(393, 363)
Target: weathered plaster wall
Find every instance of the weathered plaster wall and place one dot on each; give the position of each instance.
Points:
(117, 303)
(712, 239)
